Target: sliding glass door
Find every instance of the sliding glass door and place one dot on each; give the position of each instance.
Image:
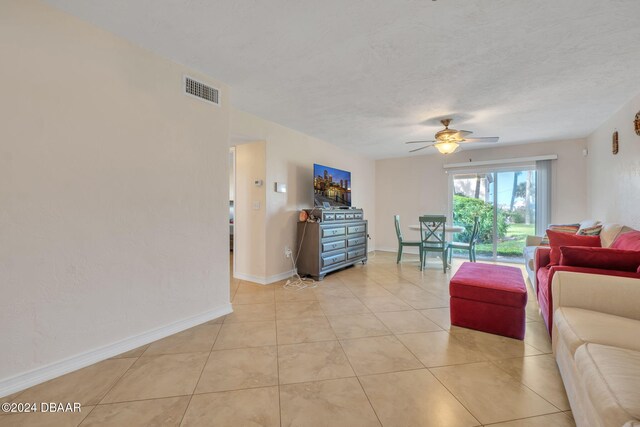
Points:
(504, 201)
(473, 196)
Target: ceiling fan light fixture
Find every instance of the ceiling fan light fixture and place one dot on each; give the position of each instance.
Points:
(446, 147)
(448, 140)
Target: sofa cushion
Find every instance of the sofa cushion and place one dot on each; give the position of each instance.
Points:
(576, 326)
(609, 233)
(557, 239)
(629, 241)
(541, 256)
(611, 377)
(603, 258)
(560, 228)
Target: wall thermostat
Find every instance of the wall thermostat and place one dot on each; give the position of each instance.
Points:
(258, 182)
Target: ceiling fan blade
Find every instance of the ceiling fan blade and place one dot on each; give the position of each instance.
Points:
(421, 148)
(418, 142)
(463, 133)
(481, 139)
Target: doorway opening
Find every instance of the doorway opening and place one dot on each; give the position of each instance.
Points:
(232, 198)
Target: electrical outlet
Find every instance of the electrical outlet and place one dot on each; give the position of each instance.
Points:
(287, 252)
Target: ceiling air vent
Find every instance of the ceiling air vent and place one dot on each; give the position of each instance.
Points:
(200, 90)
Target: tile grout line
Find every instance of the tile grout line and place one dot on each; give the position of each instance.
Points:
(204, 365)
(275, 316)
(522, 383)
(360, 383)
(119, 379)
(87, 416)
(526, 418)
(456, 397)
(146, 399)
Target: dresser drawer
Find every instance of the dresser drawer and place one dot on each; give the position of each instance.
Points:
(333, 260)
(333, 231)
(356, 241)
(355, 229)
(328, 216)
(356, 253)
(339, 217)
(349, 216)
(332, 246)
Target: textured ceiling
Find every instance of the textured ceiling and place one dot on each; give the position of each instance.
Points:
(371, 74)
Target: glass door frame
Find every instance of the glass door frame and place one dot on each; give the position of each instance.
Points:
(486, 171)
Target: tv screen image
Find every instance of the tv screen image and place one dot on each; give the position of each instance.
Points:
(331, 185)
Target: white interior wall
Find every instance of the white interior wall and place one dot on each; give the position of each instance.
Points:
(614, 180)
(290, 156)
(250, 208)
(412, 186)
(113, 195)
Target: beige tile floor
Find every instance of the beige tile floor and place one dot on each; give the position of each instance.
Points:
(371, 345)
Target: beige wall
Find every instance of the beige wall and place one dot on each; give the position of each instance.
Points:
(614, 180)
(249, 229)
(113, 191)
(290, 159)
(411, 186)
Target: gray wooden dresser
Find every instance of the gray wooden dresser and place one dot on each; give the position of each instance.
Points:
(337, 240)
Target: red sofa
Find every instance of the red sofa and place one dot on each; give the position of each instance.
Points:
(544, 272)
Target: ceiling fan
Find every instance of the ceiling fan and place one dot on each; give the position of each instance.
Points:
(448, 140)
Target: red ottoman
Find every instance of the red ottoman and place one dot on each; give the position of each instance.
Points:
(489, 298)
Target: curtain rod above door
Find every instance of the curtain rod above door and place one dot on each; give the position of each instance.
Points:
(501, 161)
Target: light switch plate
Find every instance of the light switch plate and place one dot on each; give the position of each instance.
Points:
(281, 187)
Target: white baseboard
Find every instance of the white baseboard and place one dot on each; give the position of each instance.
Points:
(264, 280)
(407, 250)
(281, 276)
(45, 373)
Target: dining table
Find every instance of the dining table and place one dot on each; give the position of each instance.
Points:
(447, 229)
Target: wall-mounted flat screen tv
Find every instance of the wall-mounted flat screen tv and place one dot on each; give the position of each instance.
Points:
(331, 185)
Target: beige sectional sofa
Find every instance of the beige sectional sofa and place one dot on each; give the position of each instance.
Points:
(596, 343)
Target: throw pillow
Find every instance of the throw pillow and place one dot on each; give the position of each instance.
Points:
(561, 228)
(602, 258)
(610, 231)
(590, 231)
(629, 241)
(557, 239)
(588, 223)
